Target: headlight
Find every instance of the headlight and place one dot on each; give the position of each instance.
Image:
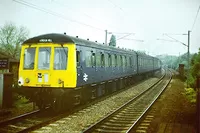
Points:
(27, 80)
(20, 81)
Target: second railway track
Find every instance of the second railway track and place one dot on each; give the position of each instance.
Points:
(126, 117)
(26, 124)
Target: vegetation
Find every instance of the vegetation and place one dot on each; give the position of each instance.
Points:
(174, 61)
(11, 37)
(190, 94)
(194, 70)
(19, 99)
(112, 41)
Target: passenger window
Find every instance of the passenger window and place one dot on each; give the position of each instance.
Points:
(102, 60)
(88, 59)
(116, 60)
(113, 60)
(93, 59)
(125, 62)
(139, 61)
(121, 60)
(130, 62)
(78, 58)
(106, 60)
(98, 59)
(109, 60)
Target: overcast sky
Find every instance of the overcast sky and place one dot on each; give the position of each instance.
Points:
(148, 19)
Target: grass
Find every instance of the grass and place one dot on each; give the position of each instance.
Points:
(19, 100)
(190, 94)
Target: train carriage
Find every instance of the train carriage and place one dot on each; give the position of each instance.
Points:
(59, 70)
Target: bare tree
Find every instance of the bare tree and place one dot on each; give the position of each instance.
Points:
(11, 38)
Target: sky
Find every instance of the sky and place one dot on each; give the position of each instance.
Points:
(149, 25)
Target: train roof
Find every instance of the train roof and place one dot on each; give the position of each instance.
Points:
(63, 38)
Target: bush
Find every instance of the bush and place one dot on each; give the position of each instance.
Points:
(190, 94)
(19, 99)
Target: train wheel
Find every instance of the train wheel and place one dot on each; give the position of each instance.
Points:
(39, 101)
(57, 104)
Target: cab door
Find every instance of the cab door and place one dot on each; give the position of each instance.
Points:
(79, 65)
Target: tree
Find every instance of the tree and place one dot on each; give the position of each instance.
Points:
(195, 69)
(112, 41)
(11, 37)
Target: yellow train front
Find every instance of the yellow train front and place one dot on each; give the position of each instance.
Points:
(47, 62)
(61, 71)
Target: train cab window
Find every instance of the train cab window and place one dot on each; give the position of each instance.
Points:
(44, 58)
(109, 60)
(29, 58)
(102, 60)
(60, 58)
(78, 58)
(93, 60)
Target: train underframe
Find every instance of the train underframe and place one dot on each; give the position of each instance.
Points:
(66, 98)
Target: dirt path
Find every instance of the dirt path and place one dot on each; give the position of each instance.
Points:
(172, 113)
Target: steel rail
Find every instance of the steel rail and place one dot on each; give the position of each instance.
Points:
(16, 118)
(137, 121)
(92, 127)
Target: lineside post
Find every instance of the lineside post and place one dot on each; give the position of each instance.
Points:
(198, 104)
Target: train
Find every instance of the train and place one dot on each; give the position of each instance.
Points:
(61, 71)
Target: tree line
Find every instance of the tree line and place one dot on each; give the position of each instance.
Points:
(11, 38)
(174, 61)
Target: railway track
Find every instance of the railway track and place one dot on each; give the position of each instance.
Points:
(128, 115)
(25, 122)
(31, 121)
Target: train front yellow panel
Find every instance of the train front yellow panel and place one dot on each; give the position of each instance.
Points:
(48, 65)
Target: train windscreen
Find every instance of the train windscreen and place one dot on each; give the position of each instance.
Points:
(60, 58)
(29, 58)
(44, 58)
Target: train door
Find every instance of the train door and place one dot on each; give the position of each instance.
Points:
(113, 65)
(79, 66)
(90, 65)
(101, 66)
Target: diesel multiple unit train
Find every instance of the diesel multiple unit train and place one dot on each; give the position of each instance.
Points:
(61, 71)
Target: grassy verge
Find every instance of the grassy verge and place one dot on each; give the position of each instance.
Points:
(190, 94)
(19, 100)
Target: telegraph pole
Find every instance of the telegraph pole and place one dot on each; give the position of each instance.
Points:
(106, 37)
(188, 57)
